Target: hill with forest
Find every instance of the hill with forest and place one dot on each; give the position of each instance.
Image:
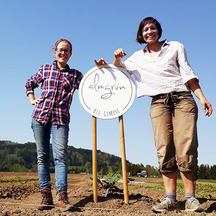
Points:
(22, 157)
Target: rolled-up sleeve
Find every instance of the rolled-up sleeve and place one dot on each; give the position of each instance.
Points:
(78, 80)
(184, 66)
(129, 64)
(34, 81)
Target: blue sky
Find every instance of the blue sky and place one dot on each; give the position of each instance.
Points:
(96, 28)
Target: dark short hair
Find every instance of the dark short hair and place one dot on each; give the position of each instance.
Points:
(139, 37)
(59, 41)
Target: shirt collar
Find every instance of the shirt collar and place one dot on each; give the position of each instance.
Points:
(67, 68)
(165, 43)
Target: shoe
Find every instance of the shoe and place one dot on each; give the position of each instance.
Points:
(166, 205)
(46, 200)
(62, 201)
(193, 205)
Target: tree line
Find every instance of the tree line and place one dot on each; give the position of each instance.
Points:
(17, 157)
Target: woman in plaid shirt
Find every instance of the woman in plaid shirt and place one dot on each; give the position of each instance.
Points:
(51, 118)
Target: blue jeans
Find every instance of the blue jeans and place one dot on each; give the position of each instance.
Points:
(59, 135)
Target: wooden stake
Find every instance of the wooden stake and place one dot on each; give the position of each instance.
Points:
(123, 158)
(94, 158)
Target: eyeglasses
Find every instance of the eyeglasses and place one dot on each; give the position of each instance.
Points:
(61, 50)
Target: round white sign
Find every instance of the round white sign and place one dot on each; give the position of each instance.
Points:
(107, 91)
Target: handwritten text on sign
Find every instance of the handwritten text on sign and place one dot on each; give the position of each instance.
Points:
(107, 91)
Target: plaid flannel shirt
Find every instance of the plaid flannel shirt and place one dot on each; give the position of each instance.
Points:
(57, 88)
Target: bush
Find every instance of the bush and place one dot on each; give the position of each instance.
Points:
(17, 168)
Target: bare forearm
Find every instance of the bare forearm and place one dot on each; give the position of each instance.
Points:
(32, 99)
(199, 93)
(117, 62)
(195, 87)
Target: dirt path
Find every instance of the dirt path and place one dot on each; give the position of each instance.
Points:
(19, 195)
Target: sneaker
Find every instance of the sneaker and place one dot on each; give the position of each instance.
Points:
(62, 201)
(192, 204)
(166, 205)
(46, 200)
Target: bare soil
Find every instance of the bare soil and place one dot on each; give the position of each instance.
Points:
(19, 195)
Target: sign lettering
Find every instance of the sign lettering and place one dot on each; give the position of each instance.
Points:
(107, 91)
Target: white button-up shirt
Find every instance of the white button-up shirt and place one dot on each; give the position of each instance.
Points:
(169, 72)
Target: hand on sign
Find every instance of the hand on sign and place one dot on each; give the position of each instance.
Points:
(119, 53)
(100, 62)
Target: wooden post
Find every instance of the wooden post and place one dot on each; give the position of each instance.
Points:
(94, 158)
(123, 158)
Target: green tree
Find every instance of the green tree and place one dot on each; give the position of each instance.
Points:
(212, 173)
(88, 167)
(203, 171)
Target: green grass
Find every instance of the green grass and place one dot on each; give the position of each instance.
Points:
(180, 189)
(203, 195)
(207, 180)
(18, 179)
(206, 187)
(201, 187)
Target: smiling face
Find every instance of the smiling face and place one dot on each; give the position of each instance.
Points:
(63, 54)
(150, 33)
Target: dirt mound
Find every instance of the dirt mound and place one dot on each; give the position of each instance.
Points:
(21, 198)
(18, 192)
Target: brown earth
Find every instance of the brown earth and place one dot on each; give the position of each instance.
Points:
(19, 195)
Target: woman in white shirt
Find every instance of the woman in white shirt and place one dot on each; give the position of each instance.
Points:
(162, 72)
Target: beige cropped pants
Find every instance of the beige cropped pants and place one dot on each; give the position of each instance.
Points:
(174, 122)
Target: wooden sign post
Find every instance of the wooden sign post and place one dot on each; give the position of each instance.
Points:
(107, 92)
(94, 158)
(123, 158)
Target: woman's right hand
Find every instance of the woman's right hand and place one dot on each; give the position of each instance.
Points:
(119, 53)
(100, 62)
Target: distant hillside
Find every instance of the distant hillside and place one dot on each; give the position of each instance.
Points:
(23, 157)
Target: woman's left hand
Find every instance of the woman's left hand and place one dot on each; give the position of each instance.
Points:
(195, 87)
(207, 106)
